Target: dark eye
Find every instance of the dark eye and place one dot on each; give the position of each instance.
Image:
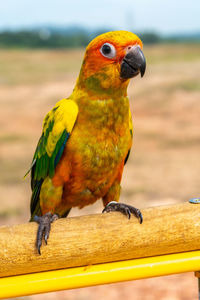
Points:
(108, 50)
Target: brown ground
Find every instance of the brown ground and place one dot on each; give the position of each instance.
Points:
(164, 165)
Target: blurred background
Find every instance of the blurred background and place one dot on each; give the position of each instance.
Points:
(41, 48)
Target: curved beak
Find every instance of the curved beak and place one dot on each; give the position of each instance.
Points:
(133, 63)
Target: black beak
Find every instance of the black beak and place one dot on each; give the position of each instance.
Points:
(133, 63)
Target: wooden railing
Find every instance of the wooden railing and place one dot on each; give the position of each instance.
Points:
(100, 249)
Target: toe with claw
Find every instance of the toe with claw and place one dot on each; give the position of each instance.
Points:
(125, 209)
(44, 228)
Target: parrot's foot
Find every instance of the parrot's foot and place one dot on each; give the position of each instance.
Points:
(125, 209)
(44, 228)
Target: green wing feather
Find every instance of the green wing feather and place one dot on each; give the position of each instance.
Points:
(57, 126)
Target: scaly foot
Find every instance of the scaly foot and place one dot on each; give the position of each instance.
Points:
(125, 209)
(44, 228)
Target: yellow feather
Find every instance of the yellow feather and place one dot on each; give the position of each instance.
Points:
(130, 121)
(64, 119)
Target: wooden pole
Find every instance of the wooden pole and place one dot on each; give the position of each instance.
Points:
(103, 238)
(79, 277)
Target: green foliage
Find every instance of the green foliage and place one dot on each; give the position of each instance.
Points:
(150, 38)
(32, 39)
(75, 37)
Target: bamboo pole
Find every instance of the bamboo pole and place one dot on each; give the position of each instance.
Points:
(95, 239)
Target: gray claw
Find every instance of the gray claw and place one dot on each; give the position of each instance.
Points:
(125, 209)
(43, 228)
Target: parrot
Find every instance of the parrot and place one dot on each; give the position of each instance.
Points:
(87, 137)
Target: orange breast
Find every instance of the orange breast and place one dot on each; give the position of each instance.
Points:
(89, 167)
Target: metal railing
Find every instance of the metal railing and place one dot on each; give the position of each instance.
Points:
(100, 249)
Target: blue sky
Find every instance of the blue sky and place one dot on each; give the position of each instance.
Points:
(164, 16)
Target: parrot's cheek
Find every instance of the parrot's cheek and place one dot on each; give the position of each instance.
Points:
(133, 63)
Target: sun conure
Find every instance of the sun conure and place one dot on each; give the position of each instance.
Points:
(87, 137)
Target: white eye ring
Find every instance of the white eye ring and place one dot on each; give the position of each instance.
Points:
(108, 50)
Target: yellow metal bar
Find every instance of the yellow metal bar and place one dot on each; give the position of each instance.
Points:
(72, 278)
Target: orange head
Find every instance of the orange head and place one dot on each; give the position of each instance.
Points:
(111, 59)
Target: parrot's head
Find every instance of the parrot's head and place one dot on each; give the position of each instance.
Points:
(110, 60)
